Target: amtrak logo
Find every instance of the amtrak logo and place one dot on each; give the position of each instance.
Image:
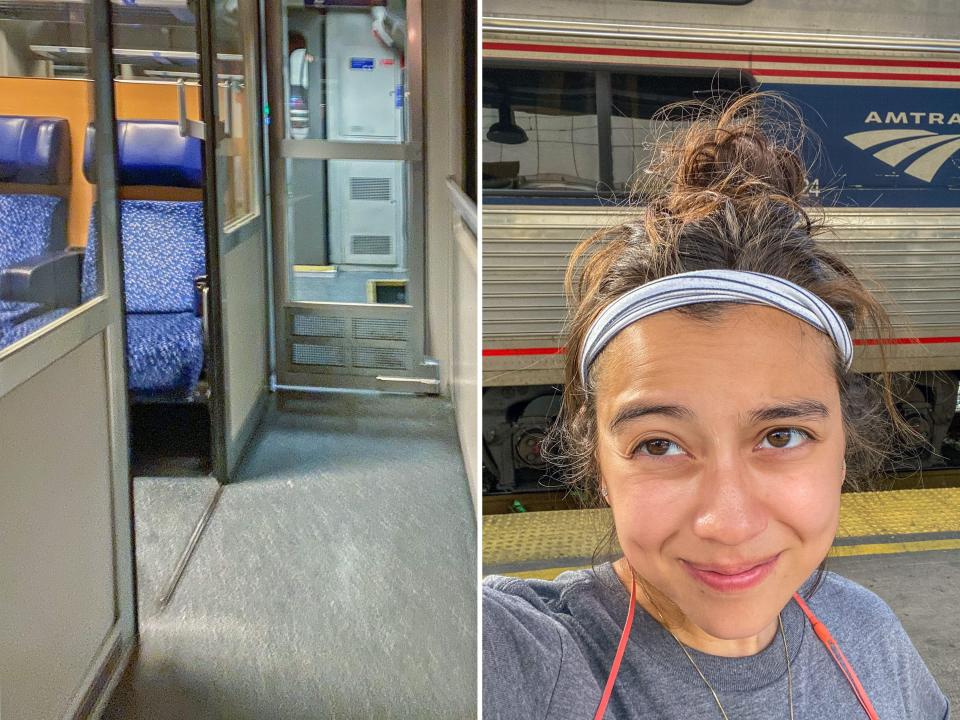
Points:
(928, 150)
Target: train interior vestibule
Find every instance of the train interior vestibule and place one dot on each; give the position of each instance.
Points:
(236, 312)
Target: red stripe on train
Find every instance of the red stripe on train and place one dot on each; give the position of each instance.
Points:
(739, 57)
(502, 352)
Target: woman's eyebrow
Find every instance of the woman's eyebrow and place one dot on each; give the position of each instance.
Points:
(639, 409)
(792, 409)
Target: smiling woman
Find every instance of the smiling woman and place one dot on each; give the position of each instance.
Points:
(710, 402)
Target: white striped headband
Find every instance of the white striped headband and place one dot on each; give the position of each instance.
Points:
(707, 286)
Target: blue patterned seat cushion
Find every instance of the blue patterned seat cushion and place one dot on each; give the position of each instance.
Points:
(163, 253)
(164, 351)
(29, 226)
(12, 313)
(18, 332)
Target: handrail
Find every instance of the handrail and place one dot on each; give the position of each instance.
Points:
(465, 207)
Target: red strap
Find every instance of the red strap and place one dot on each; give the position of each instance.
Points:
(818, 627)
(838, 657)
(615, 668)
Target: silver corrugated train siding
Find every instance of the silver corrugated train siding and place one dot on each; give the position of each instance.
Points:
(911, 258)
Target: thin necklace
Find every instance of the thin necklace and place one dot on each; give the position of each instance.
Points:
(786, 656)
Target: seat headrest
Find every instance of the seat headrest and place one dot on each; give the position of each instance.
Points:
(151, 152)
(34, 150)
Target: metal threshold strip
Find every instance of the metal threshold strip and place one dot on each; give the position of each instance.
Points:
(184, 560)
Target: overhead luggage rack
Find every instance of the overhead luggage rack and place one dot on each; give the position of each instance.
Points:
(179, 58)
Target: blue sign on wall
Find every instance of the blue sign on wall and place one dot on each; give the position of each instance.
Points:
(361, 63)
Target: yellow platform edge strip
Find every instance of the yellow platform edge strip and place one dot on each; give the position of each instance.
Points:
(540, 536)
(839, 551)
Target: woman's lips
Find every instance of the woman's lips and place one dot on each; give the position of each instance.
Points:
(732, 578)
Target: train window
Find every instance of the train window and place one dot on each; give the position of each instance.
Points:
(540, 130)
(549, 132)
(635, 99)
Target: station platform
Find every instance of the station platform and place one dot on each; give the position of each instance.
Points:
(903, 545)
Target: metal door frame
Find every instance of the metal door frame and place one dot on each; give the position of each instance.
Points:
(103, 314)
(224, 456)
(422, 375)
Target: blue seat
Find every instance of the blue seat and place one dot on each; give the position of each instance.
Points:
(164, 252)
(34, 155)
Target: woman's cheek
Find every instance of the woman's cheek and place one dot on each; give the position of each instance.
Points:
(646, 514)
(808, 501)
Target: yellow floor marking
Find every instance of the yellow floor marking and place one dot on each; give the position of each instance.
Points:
(910, 546)
(836, 551)
(314, 268)
(543, 536)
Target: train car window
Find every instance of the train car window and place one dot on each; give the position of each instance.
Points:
(635, 99)
(551, 132)
(540, 130)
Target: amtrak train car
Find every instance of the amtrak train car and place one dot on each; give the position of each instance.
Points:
(570, 90)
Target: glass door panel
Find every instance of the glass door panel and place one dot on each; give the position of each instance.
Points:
(346, 231)
(348, 192)
(237, 298)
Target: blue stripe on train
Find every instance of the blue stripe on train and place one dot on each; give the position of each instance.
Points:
(922, 167)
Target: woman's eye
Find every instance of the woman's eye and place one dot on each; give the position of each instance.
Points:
(658, 448)
(784, 438)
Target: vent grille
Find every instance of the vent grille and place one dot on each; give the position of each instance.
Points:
(318, 355)
(319, 326)
(379, 357)
(371, 244)
(364, 188)
(377, 329)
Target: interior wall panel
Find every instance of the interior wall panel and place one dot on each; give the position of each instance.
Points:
(57, 597)
(245, 322)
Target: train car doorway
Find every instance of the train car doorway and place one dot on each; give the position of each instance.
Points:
(190, 124)
(346, 137)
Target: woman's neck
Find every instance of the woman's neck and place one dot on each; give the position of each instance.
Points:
(689, 633)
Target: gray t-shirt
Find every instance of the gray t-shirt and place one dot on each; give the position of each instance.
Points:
(548, 646)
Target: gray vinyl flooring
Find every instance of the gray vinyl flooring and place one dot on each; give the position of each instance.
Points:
(335, 579)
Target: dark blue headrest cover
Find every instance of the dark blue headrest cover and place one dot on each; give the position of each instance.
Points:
(151, 152)
(34, 150)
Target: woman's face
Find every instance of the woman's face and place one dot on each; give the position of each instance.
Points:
(721, 446)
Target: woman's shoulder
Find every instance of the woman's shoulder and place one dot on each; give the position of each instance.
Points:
(529, 652)
(840, 596)
(533, 595)
(870, 634)
(855, 615)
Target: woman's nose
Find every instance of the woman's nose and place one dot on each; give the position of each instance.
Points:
(728, 509)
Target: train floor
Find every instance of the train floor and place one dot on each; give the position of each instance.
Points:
(902, 544)
(336, 577)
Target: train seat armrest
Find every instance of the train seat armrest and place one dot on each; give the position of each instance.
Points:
(52, 279)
